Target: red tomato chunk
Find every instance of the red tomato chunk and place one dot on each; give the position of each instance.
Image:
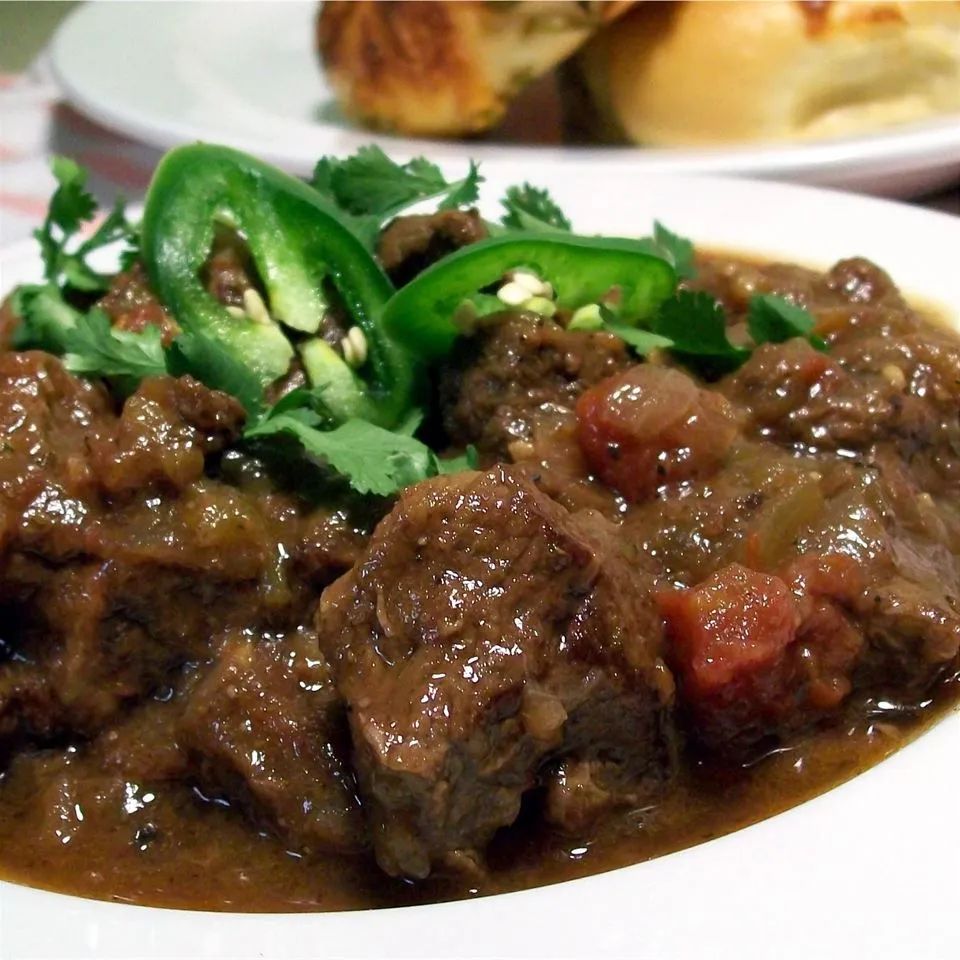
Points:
(733, 626)
(650, 426)
(756, 657)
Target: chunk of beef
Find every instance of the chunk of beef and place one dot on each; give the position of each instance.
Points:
(650, 426)
(854, 296)
(164, 434)
(47, 418)
(108, 524)
(853, 592)
(486, 634)
(908, 610)
(9, 322)
(751, 511)
(520, 373)
(889, 378)
(266, 727)
(905, 392)
(66, 800)
(410, 244)
(131, 305)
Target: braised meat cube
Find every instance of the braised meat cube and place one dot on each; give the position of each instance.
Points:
(868, 391)
(267, 728)
(132, 305)
(486, 634)
(521, 373)
(108, 524)
(411, 244)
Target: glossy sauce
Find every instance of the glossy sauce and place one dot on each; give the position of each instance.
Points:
(164, 843)
(71, 824)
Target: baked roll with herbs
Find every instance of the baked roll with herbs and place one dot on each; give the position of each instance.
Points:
(446, 69)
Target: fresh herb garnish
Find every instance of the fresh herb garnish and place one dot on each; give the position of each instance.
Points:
(372, 459)
(70, 208)
(531, 208)
(772, 319)
(363, 192)
(642, 341)
(696, 325)
(676, 250)
(370, 188)
(95, 349)
(92, 347)
(45, 318)
(693, 325)
(208, 361)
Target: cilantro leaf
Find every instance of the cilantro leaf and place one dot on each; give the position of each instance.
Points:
(669, 246)
(46, 319)
(772, 319)
(214, 366)
(365, 227)
(600, 318)
(371, 184)
(532, 208)
(465, 192)
(372, 459)
(679, 250)
(86, 341)
(696, 324)
(94, 348)
(410, 423)
(91, 347)
(468, 460)
(642, 341)
(71, 206)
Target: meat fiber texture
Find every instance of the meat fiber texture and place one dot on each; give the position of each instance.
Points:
(487, 636)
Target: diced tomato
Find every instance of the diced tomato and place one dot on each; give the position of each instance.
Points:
(735, 624)
(834, 576)
(652, 425)
(757, 655)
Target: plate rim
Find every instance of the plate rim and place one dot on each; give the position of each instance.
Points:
(906, 148)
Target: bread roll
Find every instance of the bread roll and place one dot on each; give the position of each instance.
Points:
(709, 73)
(445, 69)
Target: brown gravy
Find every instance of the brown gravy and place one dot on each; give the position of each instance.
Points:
(165, 854)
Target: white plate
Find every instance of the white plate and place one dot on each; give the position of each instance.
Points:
(867, 870)
(246, 75)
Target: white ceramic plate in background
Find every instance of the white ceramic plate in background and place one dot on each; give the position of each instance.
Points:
(246, 74)
(867, 870)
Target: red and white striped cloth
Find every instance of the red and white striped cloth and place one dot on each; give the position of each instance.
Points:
(34, 125)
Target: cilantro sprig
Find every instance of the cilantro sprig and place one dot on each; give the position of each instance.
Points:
(772, 319)
(676, 250)
(373, 460)
(369, 188)
(694, 326)
(532, 208)
(65, 262)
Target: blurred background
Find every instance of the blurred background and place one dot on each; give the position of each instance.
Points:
(855, 96)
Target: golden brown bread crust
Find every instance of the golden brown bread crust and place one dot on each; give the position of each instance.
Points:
(445, 69)
(705, 73)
